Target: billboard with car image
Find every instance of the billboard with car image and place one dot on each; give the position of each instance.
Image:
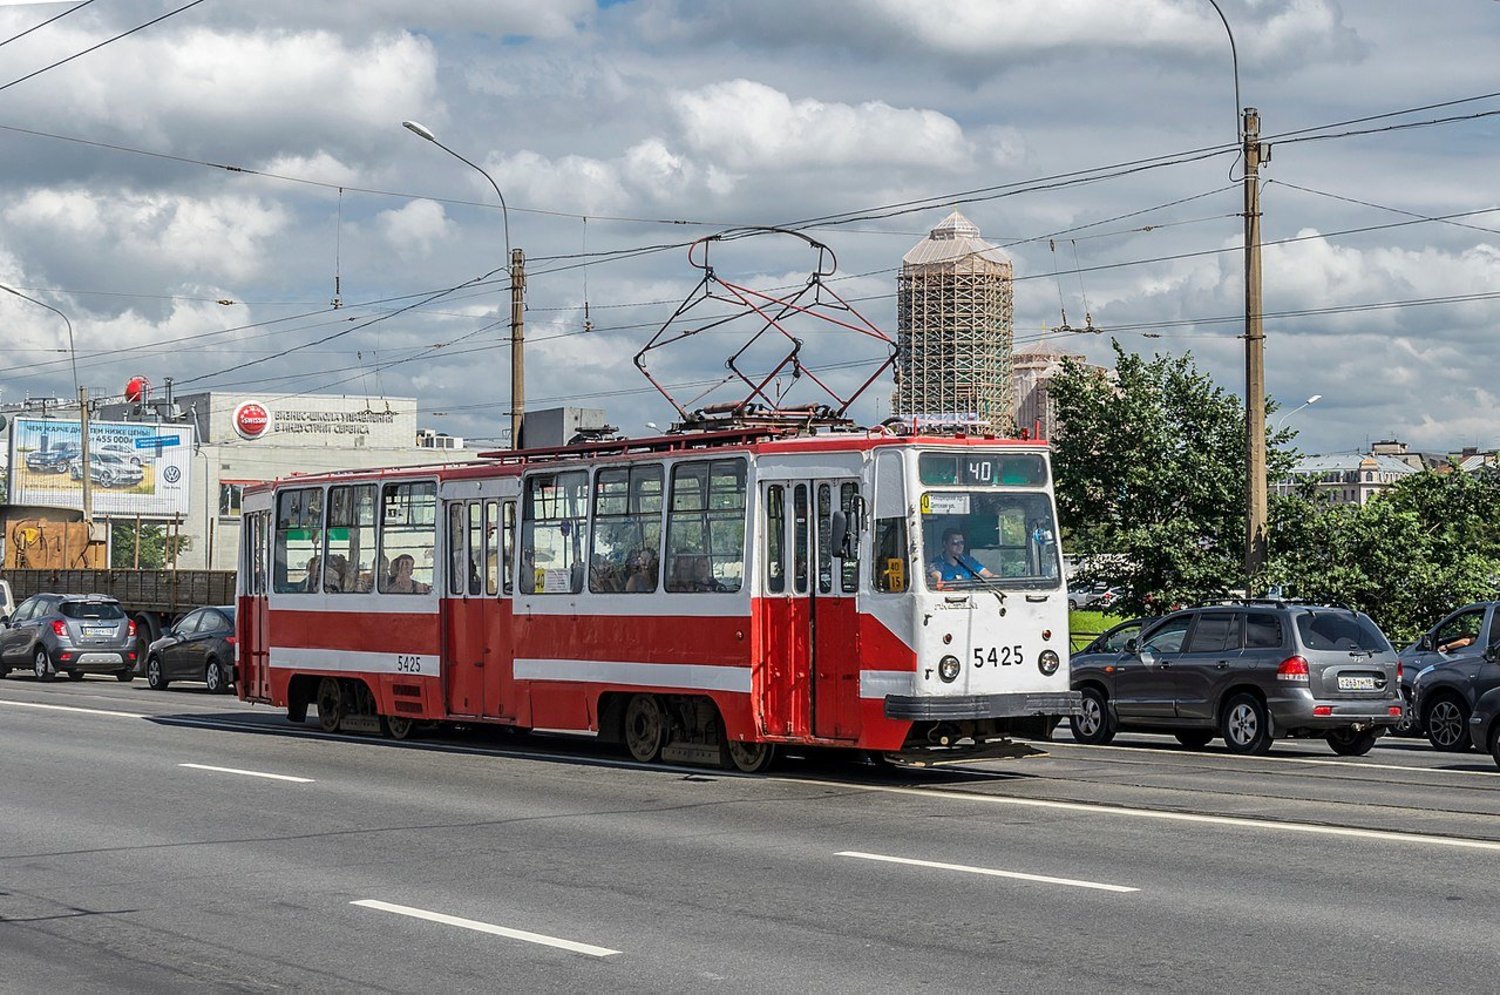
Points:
(136, 469)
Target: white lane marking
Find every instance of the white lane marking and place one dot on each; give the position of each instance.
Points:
(484, 927)
(71, 708)
(988, 871)
(250, 773)
(1316, 761)
(1380, 835)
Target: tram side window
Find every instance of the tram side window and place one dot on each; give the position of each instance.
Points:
(554, 517)
(408, 537)
(508, 542)
(626, 546)
(456, 548)
(706, 527)
(849, 504)
(257, 573)
(776, 539)
(476, 547)
(299, 539)
(351, 540)
(492, 547)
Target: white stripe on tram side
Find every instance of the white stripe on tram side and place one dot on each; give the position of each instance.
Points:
(651, 675)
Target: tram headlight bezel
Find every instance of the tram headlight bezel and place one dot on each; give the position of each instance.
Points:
(948, 668)
(1048, 663)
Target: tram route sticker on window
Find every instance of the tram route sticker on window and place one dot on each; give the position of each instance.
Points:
(557, 581)
(945, 504)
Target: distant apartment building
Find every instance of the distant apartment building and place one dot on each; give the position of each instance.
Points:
(1348, 478)
(1032, 373)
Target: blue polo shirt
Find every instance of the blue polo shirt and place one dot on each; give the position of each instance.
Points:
(967, 568)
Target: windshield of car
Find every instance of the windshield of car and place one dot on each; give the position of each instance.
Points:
(105, 610)
(228, 612)
(987, 538)
(1339, 629)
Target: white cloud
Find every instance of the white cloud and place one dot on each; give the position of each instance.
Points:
(412, 230)
(745, 124)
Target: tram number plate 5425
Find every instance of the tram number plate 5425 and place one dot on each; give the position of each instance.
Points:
(1002, 656)
(408, 664)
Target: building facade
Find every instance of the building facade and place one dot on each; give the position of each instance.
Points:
(1347, 478)
(955, 315)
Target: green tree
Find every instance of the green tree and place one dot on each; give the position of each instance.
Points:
(1150, 477)
(1410, 555)
(156, 546)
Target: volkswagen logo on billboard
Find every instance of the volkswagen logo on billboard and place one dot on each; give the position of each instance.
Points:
(251, 419)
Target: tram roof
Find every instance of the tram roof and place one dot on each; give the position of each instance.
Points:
(759, 441)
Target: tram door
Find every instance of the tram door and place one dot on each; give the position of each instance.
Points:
(253, 623)
(811, 682)
(476, 607)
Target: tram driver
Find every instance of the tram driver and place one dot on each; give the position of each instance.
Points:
(953, 563)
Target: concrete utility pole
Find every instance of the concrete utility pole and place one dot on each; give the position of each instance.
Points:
(1255, 354)
(83, 456)
(517, 345)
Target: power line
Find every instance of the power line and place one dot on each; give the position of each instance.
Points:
(56, 17)
(107, 41)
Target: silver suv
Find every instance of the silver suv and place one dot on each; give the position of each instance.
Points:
(1250, 672)
(69, 634)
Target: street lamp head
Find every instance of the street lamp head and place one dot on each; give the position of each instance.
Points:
(419, 129)
(1315, 399)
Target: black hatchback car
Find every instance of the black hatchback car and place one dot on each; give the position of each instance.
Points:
(1248, 671)
(1445, 673)
(198, 648)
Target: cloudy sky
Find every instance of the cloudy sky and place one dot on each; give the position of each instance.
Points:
(198, 194)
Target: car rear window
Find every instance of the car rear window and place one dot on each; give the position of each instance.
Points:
(1340, 630)
(92, 609)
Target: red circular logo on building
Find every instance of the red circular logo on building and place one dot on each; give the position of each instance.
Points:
(251, 420)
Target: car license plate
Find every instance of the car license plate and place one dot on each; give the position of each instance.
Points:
(109, 630)
(1356, 683)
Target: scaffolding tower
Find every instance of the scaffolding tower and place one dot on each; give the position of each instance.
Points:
(955, 315)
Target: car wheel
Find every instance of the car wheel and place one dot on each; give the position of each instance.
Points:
(1246, 726)
(1495, 744)
(41, 665)
(1348, 743)
(155, 679)
(1072, 604)
(1093, 724)
(1195, 739)
(126, 676)
(1447, 723)
(215, 678)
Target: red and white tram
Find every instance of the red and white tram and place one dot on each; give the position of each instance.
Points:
(701, 597)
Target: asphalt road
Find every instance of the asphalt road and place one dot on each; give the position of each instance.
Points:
(178, 842)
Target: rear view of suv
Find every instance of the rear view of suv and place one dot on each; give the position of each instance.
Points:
(71, 634)
(1250, 672)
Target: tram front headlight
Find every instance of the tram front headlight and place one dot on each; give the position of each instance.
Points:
(1048, 662)
(948, 669)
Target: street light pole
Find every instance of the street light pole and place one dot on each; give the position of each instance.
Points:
(83, 415)
(516, 260)
(1281, 419)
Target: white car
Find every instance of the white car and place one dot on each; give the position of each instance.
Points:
(129, 454)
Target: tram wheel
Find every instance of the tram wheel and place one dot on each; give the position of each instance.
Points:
(330, 704)
(397, 726)
(645, 728)
(749, 758)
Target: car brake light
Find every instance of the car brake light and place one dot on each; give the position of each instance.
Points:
(1294, 669)
(1398, 671)
(1322, 710)
(231, 640)
(130, 627)
(59, 627)
(1394, 710)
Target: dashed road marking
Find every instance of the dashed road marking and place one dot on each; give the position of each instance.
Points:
(989, 872)
(250, 773)
(484, 927)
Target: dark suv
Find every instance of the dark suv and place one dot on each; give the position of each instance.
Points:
(1250, 672)
(1447, 670)
(54, 460)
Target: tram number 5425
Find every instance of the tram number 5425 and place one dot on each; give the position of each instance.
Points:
(1003, 656)
(408, 664)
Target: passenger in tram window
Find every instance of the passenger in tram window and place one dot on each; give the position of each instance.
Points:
(314, 574)
(642, 579)
(401, 580)
(694, 572)
(953, 563)
(336, 578)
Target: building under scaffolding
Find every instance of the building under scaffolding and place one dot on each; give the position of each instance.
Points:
(954, 319)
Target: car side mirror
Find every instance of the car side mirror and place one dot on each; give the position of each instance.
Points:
(1130, 646)
(1148, 656)
(4, 621)
(843, 534)
(1425, 643)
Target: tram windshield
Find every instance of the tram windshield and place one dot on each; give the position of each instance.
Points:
(978, 532)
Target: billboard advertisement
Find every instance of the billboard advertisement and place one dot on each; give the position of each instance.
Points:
(136, 469)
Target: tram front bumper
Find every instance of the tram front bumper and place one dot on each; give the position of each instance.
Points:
(951, 708)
